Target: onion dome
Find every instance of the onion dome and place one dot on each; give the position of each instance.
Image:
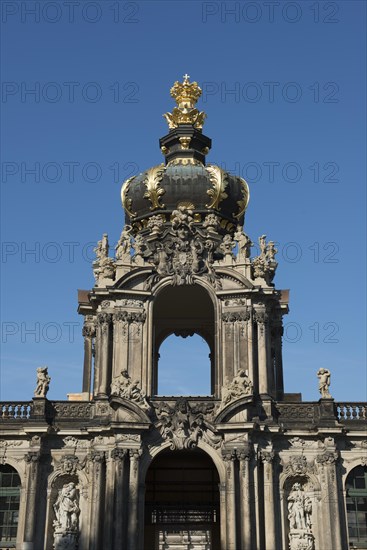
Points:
(184, 180)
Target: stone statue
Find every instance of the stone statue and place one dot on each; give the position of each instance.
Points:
(67, 509)
(124, 243)
(139, 245)
(104, 267)
(264, 265)
(244, 243)
(271, 251)
(227, 246)
(124, 387)
(239, 387)
(324, 383)
(299, 509)
(102, 248)
(262, 243)
(43, 382)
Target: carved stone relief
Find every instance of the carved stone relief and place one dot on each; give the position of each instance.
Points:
(184, 425)
(240, 386)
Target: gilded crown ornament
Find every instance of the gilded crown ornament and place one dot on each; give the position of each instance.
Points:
(186, 95)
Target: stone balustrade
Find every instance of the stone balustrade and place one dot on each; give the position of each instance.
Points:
(351, 411)
(18, 410)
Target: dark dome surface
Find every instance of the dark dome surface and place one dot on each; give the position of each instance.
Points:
(203, 189)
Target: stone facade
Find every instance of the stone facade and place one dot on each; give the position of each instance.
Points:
(279, 464)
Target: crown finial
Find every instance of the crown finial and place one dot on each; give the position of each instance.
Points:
(185, 94)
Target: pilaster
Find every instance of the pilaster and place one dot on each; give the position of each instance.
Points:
(133, 502)
(229, 458)
(267, 458)
(32, 460)
(97, 459)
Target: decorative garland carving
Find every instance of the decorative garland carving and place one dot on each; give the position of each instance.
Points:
(236, 316)
(130, 316)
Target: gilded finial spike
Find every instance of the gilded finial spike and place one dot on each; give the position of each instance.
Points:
(185, 94)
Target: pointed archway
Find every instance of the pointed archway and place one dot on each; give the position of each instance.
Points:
(182, 502)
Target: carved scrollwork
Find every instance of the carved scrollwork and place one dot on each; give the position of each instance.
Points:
(127, 201)
(328, 457)
(219, 181)
(243, 202)
(154, 191)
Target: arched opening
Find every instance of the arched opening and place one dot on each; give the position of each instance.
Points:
(356, 501)
(183, 311)
(9, 505)
(182, 502)
(184, 366)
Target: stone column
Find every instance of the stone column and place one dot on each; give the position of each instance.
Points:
(32, 460)
(89, 332)
(103, 352)
(118, 455)
(267, 458)
(97, 459)
(229, 457)
(331, 527)
(244, 457)
(262, 320)
(133, 500)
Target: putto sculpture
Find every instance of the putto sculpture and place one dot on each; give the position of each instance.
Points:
(43, 382)
(324, 376)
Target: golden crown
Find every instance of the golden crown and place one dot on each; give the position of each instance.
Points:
(186, 91)
(185, 94)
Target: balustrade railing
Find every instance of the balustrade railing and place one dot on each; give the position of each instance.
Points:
(18, 410)
(351, 411)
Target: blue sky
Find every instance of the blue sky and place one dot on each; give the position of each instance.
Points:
(284, 89)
